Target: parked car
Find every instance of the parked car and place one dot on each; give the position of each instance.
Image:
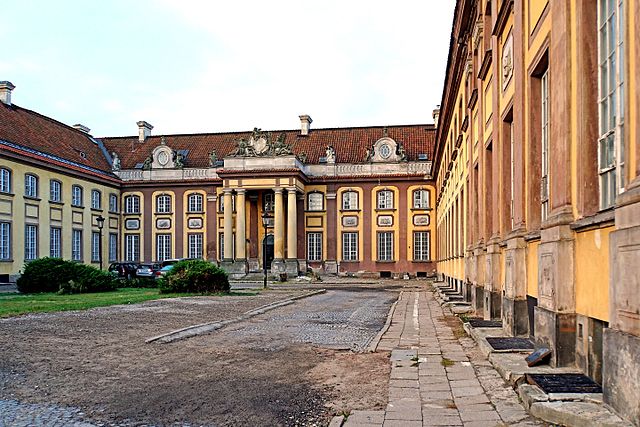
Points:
(163, 271)
(173, 261)
(147, 270)
(124, 270)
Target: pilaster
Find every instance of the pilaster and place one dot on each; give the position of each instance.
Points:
(515, 318)
(492, 288)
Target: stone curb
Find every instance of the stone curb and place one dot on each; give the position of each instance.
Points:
(204, 328)
(373, 345)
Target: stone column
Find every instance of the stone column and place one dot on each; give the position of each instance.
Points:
(228, 225)
(241, 226)
(292, 233)
(278, 265)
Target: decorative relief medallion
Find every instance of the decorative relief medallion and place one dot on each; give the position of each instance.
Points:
(385, 220)
(349, 221)
(163, 223)
(421, 220)
(194, 223)
(507, 61)
(132, 224)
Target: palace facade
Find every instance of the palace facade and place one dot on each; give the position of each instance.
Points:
(348, 201)
(537, 173)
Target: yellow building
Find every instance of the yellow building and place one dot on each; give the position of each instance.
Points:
(537, 174)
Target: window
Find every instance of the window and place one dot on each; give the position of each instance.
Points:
(421, 199)
(221, 202)
(96, 199)
(385, 199)
(113, 203)
(31, 185)
(5, 180)
(55, 191)
(268, 202)
(195, 245)
(194, 202)
(132, 205)
(76, 245)
(221, 245)
(421, 246)
(350, 200)
(5, 241)
(544, 139)
(113, 247)
(163, 246)
(55, 241)
(350, 246)
(95, 246)
(315, 201)
(314, 246)
(385, 246)
(163, 203)
(76, 195)
(132, 247)
(30, 242)
(611, 159)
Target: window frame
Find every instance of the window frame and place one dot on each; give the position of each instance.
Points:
(191, 200)
(165, 247)
(31, 189)
(95, 246)
(30, 247)
(166, 204)
(132, 247)
(76, 245)
(379, 200)
(314, 194)
(113, 202)
(52, 192)
(191, 245)
(55, 248)
(418, 202)
(544, 145)
(268, 205)
(76, 201)
(113, 247)
(5, 252)
(97, 206)
(388, 239)
(419, 247)
(132, 204)
(350, 246)
(314, 254)
(6, 176)
(347, 201)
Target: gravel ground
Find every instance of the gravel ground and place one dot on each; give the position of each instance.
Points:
(284, 367)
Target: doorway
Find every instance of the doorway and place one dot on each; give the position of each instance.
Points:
(267, 256)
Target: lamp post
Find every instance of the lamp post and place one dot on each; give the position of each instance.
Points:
(265, 222)
(100, 221)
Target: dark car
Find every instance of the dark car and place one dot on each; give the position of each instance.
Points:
(124, 270)
(147, 270)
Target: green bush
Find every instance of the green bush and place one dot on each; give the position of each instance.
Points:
(138, 282)
(196, 276)
(57, 275)
(41, 275)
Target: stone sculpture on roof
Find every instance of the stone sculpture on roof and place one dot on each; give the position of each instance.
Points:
(330, 154)
(178, 160)
(115, 161)
(213, 158)
(260, 144)
(147, 164)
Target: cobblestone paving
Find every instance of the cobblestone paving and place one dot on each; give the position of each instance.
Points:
(436, 378)
(13, 413)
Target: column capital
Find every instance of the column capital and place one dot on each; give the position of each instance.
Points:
(278, 190)
(240, 191)
(292, 190)
(227, 190)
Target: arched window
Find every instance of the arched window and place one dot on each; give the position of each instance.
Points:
(96, 199)
(76, 195)
(30, 185)
(421, 199)
(385, 199)
(163, 203)
(132, 204)
(5, 180)
(194, 202)
(315, 201)
(268, 201)
(350, 200)
(55, 191)
(113, 202)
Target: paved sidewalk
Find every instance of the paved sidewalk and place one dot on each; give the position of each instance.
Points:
(438, 376)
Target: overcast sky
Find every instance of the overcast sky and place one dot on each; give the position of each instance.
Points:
(209, 66)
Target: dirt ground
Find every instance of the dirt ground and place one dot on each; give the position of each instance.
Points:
(98, 361)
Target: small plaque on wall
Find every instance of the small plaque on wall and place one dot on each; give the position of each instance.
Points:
(194, 223)
(421, 220)
(385, 221)
(349, 221)
(314, 221)
(132, 224)
(163, 223)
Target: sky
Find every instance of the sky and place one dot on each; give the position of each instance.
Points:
(191, 66)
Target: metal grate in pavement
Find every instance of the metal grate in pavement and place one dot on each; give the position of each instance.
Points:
(510, 343)
(478, 322)
(564, 383)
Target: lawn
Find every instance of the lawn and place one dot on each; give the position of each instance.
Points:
(12, 304)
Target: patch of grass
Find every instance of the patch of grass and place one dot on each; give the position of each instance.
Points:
(464, 318)
(14, 304)
(447, 362)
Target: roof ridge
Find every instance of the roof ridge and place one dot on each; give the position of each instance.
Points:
(71, 128)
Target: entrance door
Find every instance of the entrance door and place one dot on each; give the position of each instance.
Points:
(267, 255)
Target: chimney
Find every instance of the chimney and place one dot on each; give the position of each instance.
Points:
(81, 128)
(144, 130)
(436, 116)
(5, 91)
(305, 124)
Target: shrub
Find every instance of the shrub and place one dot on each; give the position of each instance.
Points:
(57, 275)
(42, 275)
(138, 282)
(197, 276)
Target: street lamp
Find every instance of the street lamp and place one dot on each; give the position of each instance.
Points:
(100, 221)
(265, 222)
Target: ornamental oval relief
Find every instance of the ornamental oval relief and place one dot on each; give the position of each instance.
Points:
(385, 220)
(349, 221)
(421, 220)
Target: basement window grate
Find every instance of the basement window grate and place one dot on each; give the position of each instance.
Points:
(564, 383)
(477, 322)
(510, 343)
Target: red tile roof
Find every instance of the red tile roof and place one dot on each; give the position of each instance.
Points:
(32, 130)
(350, 144)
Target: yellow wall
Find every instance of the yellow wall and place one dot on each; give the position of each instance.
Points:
(358, 229)
(592, 273)
(374, 221)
